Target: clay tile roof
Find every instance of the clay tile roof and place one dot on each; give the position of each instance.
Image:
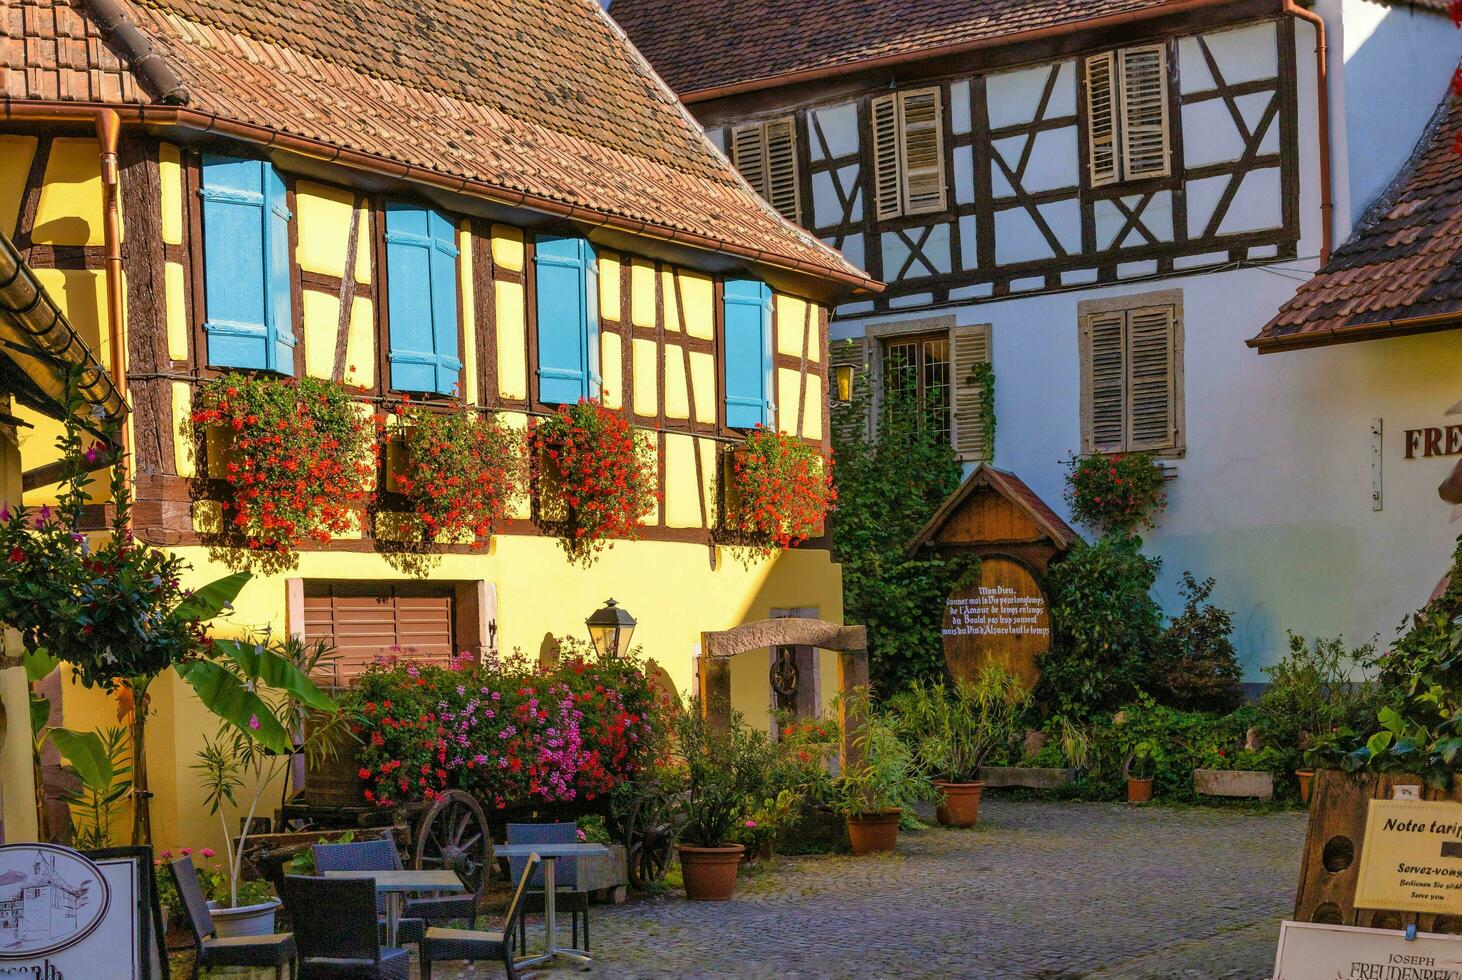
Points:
(697, 45)
(1400, 271)
(541, 102)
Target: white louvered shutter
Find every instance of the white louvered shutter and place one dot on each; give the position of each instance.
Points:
(922, 126)
(1106, 371)
(781, 167)
(748, 152)
(1151, 379)
(887, 176)
(971, 347)
(1101, 118)
(1144, 101)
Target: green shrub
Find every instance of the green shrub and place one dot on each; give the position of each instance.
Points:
(1316, 702)
(1104, 626)
(954, 729)
(1195, 667)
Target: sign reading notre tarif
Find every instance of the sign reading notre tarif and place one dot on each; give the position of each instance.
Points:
(1002, 618)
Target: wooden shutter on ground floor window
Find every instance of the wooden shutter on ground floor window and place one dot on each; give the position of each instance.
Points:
(1101, 118)
(1104, 383)
(1151, 379)
(1144, 101)
(922, 124)
(971, 347)
(887, 179)
(852, 419)
(366, 622)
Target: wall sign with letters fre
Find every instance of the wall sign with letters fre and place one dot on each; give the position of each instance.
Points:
(1435, 440)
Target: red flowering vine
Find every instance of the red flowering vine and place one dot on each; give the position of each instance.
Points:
(1115, 493)
(778, 491)
(597, 478)
(463, 469)
(302, 462)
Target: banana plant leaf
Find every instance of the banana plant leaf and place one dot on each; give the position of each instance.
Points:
(40, 713)
(226, 696)
(39, 664)
(206, 603)
(263, 666)
(86, 755)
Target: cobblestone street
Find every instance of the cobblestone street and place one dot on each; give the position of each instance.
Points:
(1039, 890)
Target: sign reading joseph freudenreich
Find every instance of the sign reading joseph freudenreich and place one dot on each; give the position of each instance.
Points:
(1309, 951)
(1411, 859)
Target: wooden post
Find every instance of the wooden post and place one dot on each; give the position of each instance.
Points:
(852, 673)
(715, 686)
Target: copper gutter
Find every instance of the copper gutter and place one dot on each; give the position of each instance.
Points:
(108, 129)
(205, 122)
(1322, 119)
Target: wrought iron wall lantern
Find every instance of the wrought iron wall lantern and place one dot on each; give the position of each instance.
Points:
(610, 629)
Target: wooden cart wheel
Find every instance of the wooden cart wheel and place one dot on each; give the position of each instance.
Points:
(648, 838)
(452, 836)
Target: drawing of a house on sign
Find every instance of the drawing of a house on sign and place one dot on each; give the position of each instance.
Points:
(39, 906)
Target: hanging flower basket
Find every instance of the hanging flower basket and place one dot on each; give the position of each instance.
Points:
(596, 479)
(777, 491)
(458, 470)
(1119, 492)
(300, 457)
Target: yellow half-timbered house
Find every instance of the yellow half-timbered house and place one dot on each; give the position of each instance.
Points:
(280, 173)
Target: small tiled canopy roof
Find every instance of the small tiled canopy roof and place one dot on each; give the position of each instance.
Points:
(1060, 535)
(1401, 269)
(534, 103)
(702, 45)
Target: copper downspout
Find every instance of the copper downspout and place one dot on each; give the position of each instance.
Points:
(108, 129)
(1322, 119)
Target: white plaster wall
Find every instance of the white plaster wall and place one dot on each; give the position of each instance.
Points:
(1390, 64)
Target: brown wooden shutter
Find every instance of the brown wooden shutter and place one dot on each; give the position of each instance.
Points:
(748, 152)
(1105, 389)
(366, 622)
(781, 157)
(1151, 379)
(1144, 101)
(852, 419)
(1101, 118)
(887, 178)
(971, 346)
(922, 126)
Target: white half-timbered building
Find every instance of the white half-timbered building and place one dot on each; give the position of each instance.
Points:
(1108, 201)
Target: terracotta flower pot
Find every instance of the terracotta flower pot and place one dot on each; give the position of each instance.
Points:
(961, 804)
(1307, 779)
(871, 833)
(1139, 789)
(709, 872)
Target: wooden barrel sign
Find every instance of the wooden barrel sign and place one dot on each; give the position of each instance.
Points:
(1000, 617)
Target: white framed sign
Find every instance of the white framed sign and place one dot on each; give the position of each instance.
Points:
(65, 915)
(1311, 951)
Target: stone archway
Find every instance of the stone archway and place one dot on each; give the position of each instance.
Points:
(717, 649)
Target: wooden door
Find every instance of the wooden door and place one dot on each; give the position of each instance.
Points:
(1001, 617)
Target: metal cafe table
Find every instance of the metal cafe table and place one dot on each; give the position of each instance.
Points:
(549, 853)
(396, 885)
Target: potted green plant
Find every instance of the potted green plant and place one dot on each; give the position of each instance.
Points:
(720, 769)
(879, 781)
(255, 751)
(953, 730)
(1140, 769)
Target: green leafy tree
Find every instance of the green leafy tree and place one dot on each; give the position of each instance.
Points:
(1195, 667)
(887, 489)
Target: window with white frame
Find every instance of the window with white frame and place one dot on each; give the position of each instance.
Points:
(1132, 374)
(1128, 136)
(908, 153)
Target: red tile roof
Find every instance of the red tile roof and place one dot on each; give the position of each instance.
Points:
(1400, 271)
(699, 45)
(534, 101)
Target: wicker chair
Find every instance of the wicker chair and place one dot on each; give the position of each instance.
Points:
(335, 926)
(277, 950)
(381, 855)
(569, 897)
(475, 945)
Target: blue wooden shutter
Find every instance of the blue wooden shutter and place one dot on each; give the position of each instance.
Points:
(749, 354)
(568, 319)
(421, 266)
(246, 265)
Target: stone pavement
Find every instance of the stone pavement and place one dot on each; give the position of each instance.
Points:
(1045, 891)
